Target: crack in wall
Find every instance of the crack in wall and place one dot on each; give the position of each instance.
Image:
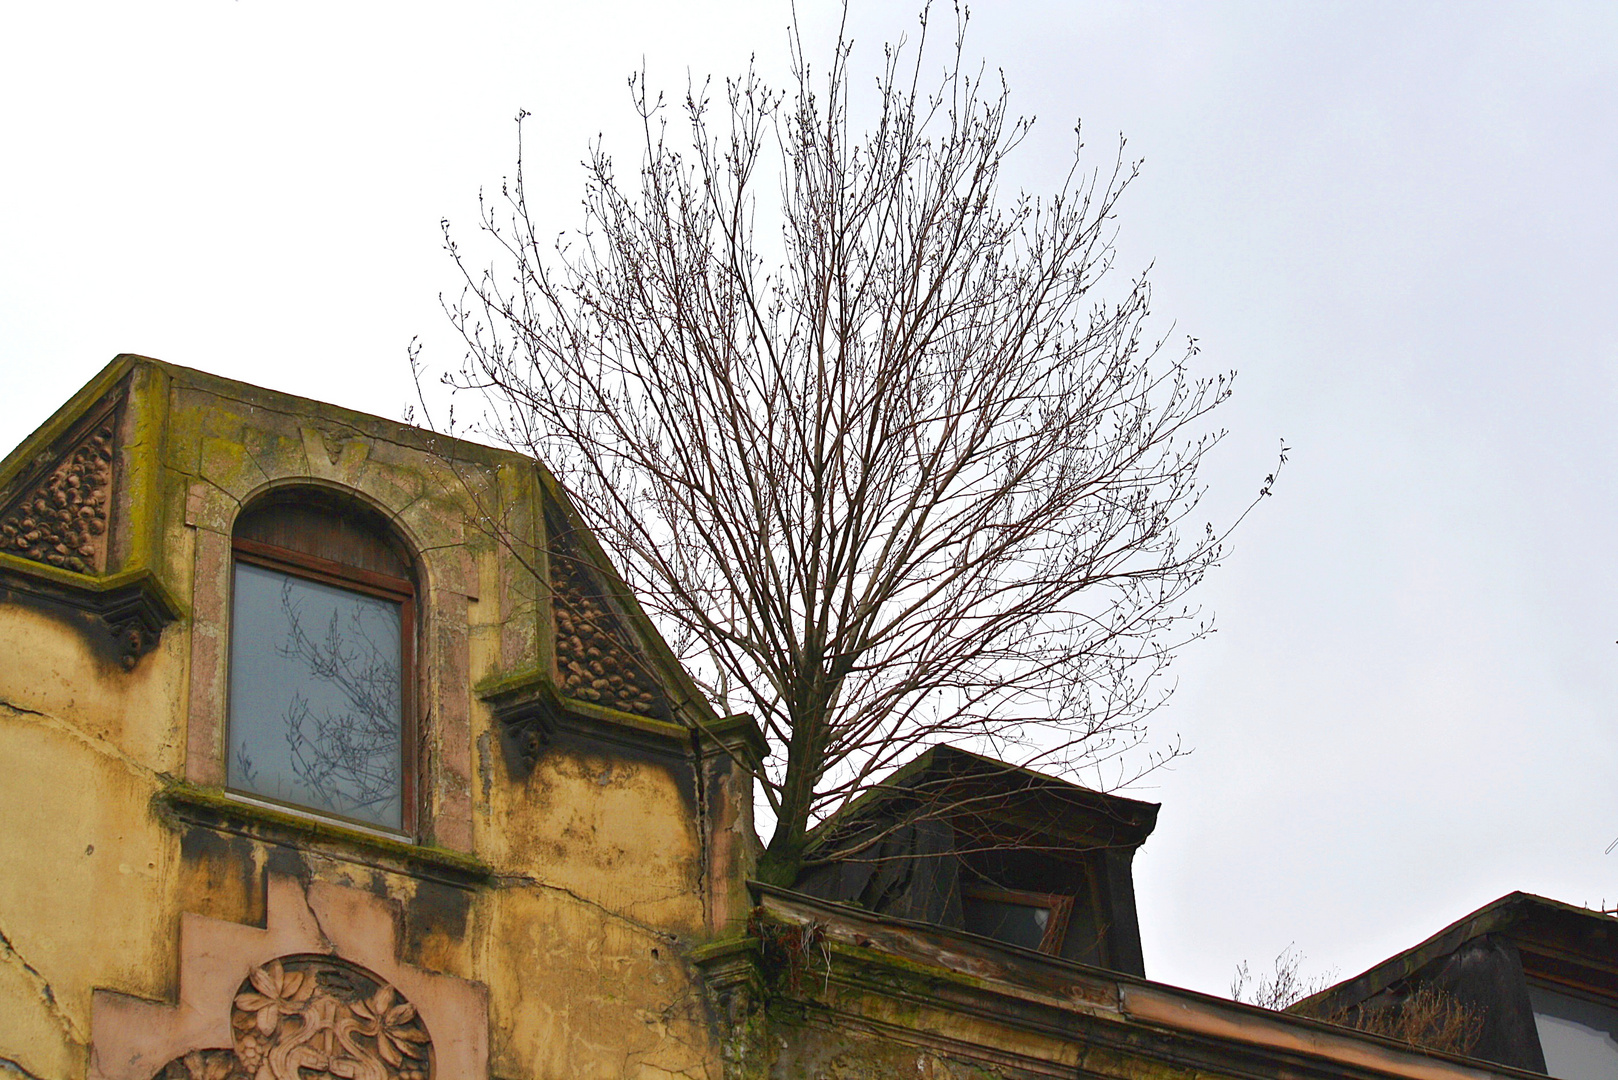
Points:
(12, 1067)
(46, 993)
(683, 1007)
(507, 881)
(95, 743)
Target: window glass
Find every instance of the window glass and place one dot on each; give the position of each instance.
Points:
(1016, 924)
(1576, 1035)
(1085, 940)
(316, 673)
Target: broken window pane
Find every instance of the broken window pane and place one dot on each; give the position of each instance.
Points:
(1016, 924)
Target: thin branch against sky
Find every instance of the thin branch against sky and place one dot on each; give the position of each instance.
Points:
(1393, 219)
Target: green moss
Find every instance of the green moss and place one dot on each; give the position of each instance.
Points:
(532, 681)
(146, 580)
(738, 945)
(180, 794)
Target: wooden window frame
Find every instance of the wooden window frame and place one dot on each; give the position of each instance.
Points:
(367, 582)
(1059, 905)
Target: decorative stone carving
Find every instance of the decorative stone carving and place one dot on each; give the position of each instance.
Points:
(325, 994)
(62, 520)
(299, 1017)
(595, 661)
(202, 1065)
(135, 624)
(526, 722)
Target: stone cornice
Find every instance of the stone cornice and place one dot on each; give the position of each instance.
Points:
(866, 970)
(531, 713)
(124, 614)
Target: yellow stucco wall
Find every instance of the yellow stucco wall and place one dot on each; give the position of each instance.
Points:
(86, 872)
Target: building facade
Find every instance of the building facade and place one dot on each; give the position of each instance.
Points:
(334, 747)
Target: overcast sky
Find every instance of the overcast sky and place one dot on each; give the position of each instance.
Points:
(1396, 221)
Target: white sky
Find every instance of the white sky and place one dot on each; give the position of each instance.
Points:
(1396, 220)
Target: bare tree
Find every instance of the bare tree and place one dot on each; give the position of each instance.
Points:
(348, 759)
(1281, 990)
(862, 434)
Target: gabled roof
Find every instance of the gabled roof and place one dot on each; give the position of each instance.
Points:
(1557, 934)
(87, 510)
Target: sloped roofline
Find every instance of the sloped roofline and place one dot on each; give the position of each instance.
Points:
(1138, 816)
(1508, 911)
(21, 462)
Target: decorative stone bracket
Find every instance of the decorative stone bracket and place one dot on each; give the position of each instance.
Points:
(531, 713)
(526, 711)
(733, 977)
(123, 614)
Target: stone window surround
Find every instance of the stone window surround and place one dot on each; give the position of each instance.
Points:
(444, 588)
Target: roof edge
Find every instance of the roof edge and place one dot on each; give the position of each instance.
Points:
(1189, 1013)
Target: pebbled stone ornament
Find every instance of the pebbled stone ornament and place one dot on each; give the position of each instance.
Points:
(592, 661)
(62, 521)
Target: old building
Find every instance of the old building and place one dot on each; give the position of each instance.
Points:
(334, 747)
(1541, 977)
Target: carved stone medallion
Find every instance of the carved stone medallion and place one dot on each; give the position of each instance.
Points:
(302, 1017)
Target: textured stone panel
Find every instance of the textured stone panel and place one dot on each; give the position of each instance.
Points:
(596, 660)
(62, 519)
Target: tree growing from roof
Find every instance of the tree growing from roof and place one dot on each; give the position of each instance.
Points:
(861, 431)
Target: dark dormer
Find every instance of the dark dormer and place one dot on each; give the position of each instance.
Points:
(974, 844)
(1540, 976)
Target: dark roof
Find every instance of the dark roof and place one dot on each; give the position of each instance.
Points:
(946, 781)
(951, 821)
(1549, 929)
(1490, 963)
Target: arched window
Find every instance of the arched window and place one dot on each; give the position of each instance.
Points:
(322, 649)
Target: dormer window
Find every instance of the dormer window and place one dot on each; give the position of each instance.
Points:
(970, 843)
(1033, 920)
(322, 643)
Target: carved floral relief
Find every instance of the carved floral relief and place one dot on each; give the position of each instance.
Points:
(301, 1017)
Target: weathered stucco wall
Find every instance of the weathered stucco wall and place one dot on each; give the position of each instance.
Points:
(86, 871)
(569, 894)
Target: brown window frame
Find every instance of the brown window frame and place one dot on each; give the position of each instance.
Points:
(368, 582)
(1058, 904)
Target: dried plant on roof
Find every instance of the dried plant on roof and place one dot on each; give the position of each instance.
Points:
(860, 429)
(1421, 1014)
(1281, 989)
(1428, 1016)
